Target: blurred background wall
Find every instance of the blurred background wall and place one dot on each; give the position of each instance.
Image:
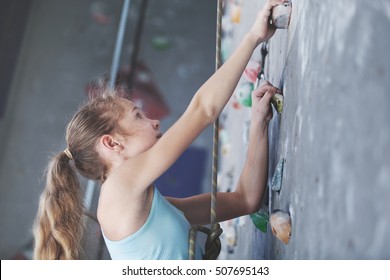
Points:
(51, 51)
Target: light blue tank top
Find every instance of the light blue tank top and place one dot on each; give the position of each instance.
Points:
(164, 236)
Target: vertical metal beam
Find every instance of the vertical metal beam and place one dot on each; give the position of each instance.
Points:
(114, 70)
(119, 43)
(137, 42)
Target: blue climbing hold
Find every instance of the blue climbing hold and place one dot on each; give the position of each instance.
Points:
(276, 183)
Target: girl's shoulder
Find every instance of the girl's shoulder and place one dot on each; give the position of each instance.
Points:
(122, 213)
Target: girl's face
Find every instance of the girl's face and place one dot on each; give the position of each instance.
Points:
(141, 133)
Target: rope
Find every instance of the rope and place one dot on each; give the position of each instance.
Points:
(213, 243)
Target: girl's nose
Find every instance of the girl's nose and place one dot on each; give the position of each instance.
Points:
(156, 124)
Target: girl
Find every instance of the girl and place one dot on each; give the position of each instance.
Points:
(110, 140)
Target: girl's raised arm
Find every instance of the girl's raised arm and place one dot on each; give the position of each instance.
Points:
(204, 108)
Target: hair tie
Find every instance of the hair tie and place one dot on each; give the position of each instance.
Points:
(68, 153)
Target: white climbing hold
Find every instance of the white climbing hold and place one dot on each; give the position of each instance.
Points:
(230, 233)
(281, 15)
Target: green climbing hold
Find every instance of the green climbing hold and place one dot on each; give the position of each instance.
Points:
(260, 220)
(161, 42)
(244, 93)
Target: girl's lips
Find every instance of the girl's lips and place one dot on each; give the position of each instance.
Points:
(159, 135)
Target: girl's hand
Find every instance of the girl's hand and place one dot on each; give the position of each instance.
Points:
(261, 102)
(262, 29)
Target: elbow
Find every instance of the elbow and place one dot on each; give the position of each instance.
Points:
(254, 202)
(211, 114)
(253, 207)
(208, 112)
(250, 203)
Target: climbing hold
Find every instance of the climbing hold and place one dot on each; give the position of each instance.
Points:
(223, 136)
(281, 225)
(224, 140)
(227, 37)
(244, 93)
(260, 219)
(236, 105)
(226, 47)
(277, 101)
(235, 13)
(252, 70)
(99, 13)
(161, 42)
(245, 132)
(281, 15)
(276, 182)
(231, 235)
(226, 149)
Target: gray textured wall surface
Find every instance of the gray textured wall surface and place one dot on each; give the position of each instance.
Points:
(333, 66)
(334, 132)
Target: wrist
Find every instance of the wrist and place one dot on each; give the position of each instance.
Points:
(259, 127)
(253, 39)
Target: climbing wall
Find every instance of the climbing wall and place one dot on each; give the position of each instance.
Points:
(333, 134)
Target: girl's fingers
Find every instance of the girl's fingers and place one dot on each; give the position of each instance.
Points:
(268, 95)
(270, 4)
(261, 90)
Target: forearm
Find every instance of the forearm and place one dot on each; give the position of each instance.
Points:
(247, 197)
(253, 179)
(217, 90)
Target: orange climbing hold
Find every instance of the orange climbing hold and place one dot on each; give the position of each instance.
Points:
(280, 222)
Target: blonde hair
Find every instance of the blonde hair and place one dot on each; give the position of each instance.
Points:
(58, 226)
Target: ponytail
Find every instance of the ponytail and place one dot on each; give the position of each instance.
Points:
(58, 225)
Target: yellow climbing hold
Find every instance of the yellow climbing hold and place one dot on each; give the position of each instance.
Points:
(277, 101)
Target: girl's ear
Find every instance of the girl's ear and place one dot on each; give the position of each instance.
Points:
(108, 142)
